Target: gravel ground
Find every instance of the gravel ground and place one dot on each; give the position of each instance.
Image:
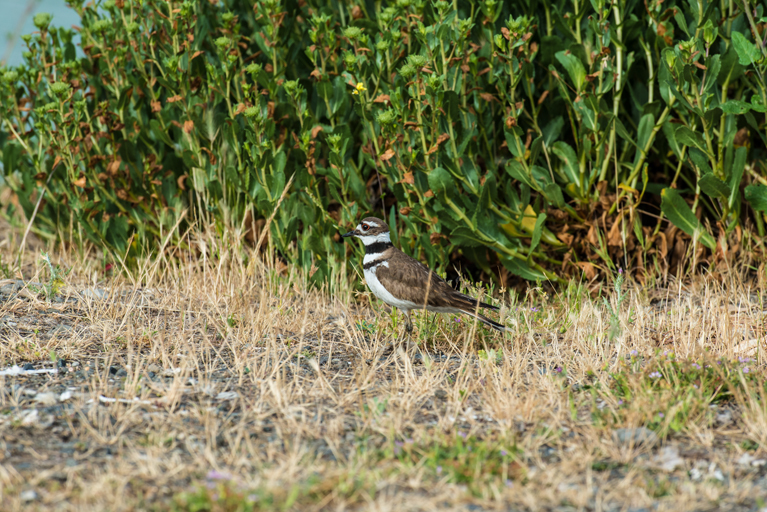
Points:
(124, 401)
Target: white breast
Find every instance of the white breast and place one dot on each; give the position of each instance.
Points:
(382, 293)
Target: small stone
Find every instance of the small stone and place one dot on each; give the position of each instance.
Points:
(122, 372)
(28, 495)
(45, 399)
(30, 418)
(28, 366)
(114, 369)
(668, 459)
(227, 395)
(724, 417)
(440, 394)
(635, 436)
(94, 293)
(154, 368)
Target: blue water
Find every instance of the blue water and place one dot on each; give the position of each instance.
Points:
(18, 14)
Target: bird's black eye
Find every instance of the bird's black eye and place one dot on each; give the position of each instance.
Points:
(365, 227)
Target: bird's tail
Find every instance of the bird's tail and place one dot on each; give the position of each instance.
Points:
(485, 320)
(474, 302)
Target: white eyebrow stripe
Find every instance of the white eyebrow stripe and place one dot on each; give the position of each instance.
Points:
(374, 224)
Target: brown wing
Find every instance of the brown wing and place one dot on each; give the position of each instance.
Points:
(406, 278)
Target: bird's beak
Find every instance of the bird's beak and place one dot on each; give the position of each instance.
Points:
(350, 233)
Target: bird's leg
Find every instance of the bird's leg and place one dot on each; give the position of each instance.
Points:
(409, 344)
(408, 330)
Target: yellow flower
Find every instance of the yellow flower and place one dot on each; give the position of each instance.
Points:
(360, 88)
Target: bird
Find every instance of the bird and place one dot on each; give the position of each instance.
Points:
(407, 284)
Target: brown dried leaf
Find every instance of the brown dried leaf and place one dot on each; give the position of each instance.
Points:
(566, 238)
(741, 137)
(156, 106)
(113, 167)
(383, 98)
(487, 96)
(388, 154)
(588, 269)
(408, 178)
(614, 238)
(405, 210)
(80, 182)
(592, 236)
(174, 99)
(317, 129)
(188, 126)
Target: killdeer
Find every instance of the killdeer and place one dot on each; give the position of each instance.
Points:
(407, 284)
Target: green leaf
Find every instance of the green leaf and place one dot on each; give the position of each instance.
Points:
(668, 131)
(552, 130)
(680, 214)
(537, 230)
(570, 159)
(736, 173)
(681, 21)
(159, 133)
(462, 235)
(574, 68)
(713, 186)
(690, 138)
(440, 181)
(735, 107)
(589, 116)
(700, 160)
(747, 51)
(712, 72)
(517, 171)
(756, 195)
(522, 269)
(514, 142)
(199, 179)
(620, 129)
(646, 125)
(553, 193)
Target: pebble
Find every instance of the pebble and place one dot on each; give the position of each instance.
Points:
(28, 366)
(635, 436)
(45, 398)
(94, 293)
(28, 495)
(668, 459)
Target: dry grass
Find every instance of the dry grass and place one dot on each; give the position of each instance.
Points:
(237, 386)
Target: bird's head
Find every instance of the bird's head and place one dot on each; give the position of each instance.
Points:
(370, 230)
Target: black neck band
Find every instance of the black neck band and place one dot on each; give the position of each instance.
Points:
(377, 247)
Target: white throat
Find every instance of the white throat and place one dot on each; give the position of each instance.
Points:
(372, 239)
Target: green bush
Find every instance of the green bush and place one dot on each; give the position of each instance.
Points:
(530, 134)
